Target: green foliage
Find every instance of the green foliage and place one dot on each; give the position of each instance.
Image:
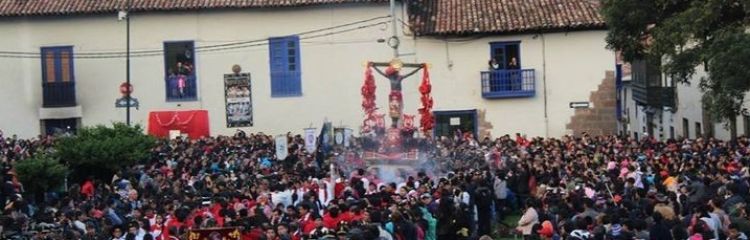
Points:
(102, 150)
(41, 173)
(685, 35)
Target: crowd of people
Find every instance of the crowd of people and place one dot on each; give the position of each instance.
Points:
(579, 188)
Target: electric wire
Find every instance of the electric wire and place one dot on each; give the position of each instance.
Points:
(207, 48)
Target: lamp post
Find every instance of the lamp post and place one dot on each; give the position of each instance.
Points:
(127, 62)
(393, 41)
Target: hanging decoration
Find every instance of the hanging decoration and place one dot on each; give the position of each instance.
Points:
(368, 102)
(192, 122)
(427, 121)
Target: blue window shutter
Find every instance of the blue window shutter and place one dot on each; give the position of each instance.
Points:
(56, 64)
(43, 61)
(284, 66)
(295, 79)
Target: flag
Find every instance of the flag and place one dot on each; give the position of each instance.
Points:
(282, 150)
(310, 141)
(324, 143)
(326, 136)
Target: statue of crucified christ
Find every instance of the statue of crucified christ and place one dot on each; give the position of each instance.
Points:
(395, 98)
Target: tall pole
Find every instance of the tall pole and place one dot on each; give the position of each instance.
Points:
(394, 36)
(127, 64)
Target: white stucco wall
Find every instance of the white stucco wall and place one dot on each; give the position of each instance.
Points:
(20, 97)
(575, 65)
(690, 107)
(332, 69)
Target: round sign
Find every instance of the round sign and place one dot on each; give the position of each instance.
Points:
(126, 88)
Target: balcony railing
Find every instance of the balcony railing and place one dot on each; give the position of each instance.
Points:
(181, 88)
(59, 94)
(512, 83)
(654, 96)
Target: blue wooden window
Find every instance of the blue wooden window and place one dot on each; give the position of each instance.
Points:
(506, 54)
(58, 79)
(180, 71)
(284, 57)
(57, 64)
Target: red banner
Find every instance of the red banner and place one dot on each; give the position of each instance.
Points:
(194, 123)
(215, 234)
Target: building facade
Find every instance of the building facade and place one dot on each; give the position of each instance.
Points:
(63, 63)
(652, 104)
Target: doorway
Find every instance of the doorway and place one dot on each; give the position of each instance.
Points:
(448, 123)
(60, 126)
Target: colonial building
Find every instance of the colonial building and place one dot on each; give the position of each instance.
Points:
(651, 103)
(62, 63)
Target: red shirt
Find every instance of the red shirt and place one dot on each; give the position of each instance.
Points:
(332, 222)
(87, 189)
(351, 217)
(338, 189)
(172, 223)
(307, 223)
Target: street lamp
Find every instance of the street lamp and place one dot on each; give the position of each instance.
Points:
(120, 16)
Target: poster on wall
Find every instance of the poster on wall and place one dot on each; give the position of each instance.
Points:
(239, 102)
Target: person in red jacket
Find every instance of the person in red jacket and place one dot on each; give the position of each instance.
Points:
(332, 217)
(354, 215)
(307, 220)
(87, 189)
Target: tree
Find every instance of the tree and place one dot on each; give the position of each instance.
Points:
(685, 35)
(101, 151)
(40, 173)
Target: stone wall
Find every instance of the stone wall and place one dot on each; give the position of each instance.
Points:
(485, 127)
(600, 117)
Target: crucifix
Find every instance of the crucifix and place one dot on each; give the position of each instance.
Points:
(395, 98)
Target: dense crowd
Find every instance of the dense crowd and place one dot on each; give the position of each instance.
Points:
(586, 187)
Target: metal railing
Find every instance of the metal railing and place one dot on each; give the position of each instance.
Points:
(511, 83)
(59, 94)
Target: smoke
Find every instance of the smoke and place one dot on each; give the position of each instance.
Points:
(400, 171)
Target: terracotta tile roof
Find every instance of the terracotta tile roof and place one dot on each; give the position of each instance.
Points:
(10, 8)
(463, 17)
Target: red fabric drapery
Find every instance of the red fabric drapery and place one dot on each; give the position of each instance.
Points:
(192, 122)
(368, 101)
(427, 121)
